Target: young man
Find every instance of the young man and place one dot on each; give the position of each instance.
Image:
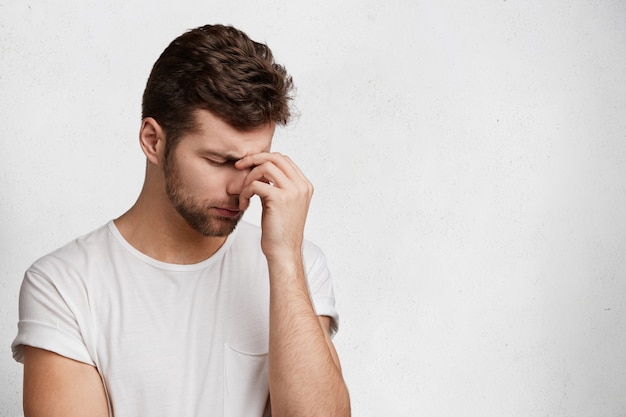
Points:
(176, 308)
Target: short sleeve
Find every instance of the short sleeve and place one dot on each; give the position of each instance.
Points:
(47, 320)
(320, 284)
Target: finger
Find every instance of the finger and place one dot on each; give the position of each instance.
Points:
(296, 175)
(267, 172)
(260, 188)
(295, 168)
(281, 161)
(285, 164)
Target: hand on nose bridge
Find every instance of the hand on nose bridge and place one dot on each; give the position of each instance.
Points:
(237, 179)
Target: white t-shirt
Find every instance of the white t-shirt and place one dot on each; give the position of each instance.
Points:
(167, 339)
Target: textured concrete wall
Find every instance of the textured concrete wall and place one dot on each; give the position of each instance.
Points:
(469, 163)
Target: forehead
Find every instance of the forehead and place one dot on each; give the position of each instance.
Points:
(215, 135)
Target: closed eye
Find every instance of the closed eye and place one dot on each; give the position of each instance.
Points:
(220, 159)
(215, 162)
(220, 162)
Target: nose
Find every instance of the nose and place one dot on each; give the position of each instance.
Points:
(236, 180)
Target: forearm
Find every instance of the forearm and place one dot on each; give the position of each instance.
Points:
(305, 375)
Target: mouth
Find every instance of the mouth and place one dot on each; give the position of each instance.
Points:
(229, 212)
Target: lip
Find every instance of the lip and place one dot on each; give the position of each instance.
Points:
(228, 211)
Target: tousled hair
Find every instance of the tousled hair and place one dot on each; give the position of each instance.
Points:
(220, 69)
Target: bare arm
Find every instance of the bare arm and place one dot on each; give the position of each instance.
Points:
(55, 386)
(304, 373)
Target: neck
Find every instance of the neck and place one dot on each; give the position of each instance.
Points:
(153, 227)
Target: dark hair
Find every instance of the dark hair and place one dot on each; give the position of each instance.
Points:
(220, 69)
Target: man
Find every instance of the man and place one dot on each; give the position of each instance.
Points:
(176, 308)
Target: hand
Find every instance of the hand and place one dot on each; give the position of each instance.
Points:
(285, 196)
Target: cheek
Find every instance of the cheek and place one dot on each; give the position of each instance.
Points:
(207, 178)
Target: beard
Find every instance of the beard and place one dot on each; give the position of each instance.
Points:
(197, 212)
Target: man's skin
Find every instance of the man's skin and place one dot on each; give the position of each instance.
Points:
(220, 164)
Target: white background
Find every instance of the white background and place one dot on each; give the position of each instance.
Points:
(468, 158)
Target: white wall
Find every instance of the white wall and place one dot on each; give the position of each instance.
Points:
(468, 158)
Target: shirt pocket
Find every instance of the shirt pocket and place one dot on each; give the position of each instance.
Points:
(246, 384)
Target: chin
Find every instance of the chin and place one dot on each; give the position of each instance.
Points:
(218, 227)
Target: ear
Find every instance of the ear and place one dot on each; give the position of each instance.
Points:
(152, 140)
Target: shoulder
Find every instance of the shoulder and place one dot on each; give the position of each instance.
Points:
(73, 254)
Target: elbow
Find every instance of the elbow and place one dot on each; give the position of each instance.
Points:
(342, 408)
